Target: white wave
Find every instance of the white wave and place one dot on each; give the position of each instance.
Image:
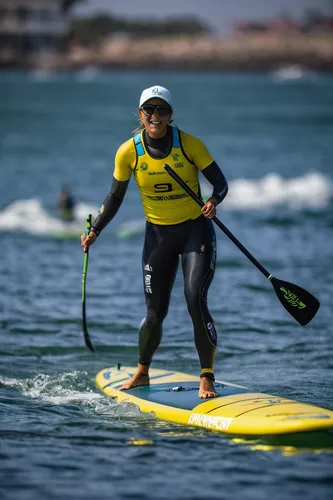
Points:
(310, 190)
(88, 73)
(41, 74)
(76, 388)
(292, 72)
(75, 397)
(57, 388)
(31, 216)
(131, 228)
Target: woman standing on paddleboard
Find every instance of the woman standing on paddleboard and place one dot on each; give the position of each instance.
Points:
(176, 226)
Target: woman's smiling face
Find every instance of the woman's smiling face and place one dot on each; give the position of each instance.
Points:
(155, 124)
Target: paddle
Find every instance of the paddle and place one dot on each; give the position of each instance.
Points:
(84, 279)
(301, 304)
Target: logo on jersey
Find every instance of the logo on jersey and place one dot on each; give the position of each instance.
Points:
(180, 164)
(143, 166)
(175, 157)
(148, 267)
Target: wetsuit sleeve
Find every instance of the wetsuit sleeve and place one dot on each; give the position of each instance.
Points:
(110, 205)
(214, 175)
(124, 164)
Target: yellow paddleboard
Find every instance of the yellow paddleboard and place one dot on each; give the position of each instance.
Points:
(173, 396)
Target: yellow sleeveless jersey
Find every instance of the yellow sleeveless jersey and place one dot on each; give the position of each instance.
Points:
(164, 201)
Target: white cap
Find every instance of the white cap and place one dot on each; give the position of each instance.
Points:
(156, 91)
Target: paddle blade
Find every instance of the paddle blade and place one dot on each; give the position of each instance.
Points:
(86, 334)
(84, 316)
(301, 304)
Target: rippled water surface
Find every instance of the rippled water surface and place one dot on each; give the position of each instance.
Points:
(59, 437)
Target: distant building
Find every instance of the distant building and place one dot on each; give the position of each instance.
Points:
(314, 22)
(32, 27)
(273, 26)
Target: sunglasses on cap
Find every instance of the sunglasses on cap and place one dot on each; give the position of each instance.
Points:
(150, 109)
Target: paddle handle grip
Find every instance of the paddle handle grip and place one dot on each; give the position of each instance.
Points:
(217, 221)
(87, 230)
(88, 224)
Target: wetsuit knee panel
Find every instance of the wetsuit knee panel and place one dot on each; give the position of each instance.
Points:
(154, 318)
(193, 300)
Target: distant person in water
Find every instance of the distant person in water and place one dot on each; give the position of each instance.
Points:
(66, 204)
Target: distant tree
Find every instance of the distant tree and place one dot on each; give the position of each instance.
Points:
(313, 16)
(94, 29)
(67, 4)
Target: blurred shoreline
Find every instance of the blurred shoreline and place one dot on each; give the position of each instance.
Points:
(253, 52)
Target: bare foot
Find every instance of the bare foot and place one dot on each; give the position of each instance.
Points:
(137, 379)
(207, 389)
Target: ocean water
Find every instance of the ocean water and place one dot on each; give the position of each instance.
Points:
(59, 437)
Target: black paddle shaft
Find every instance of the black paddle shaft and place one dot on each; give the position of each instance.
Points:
(217, 221)
(302, 305)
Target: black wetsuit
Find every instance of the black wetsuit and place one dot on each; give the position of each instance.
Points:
(194, 241)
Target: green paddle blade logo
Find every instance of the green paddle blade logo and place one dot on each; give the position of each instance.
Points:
(292, 299)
